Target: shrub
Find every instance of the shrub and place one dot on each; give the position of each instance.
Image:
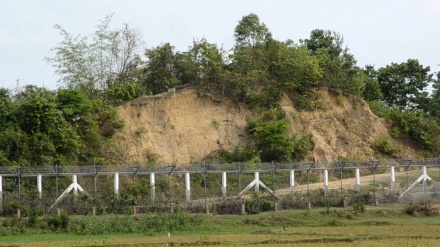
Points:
(421, 209)
(257, 203)
(33, 216)
(228, 206)
(59, 222)
(272, 139)
(385, 146)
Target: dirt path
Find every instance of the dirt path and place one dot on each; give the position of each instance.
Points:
(346, 183)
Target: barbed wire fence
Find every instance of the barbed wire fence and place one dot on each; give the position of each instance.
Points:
(217, 188)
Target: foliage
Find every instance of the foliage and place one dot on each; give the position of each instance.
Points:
(123, 92)
(421, 209)
(338, 65)
(247, 154)
(59, 222)
(204, 66)
(423, 130)
(97, 62)
(372, 90)
(403, 84)
(143, 224)
(386, 146)
(434, 103)
(160, 72)
(271, 137)
(45, 127)
(257, 203)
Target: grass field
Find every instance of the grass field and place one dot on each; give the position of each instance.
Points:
(386, 225)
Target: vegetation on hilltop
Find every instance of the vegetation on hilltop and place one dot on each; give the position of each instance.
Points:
(105, 69)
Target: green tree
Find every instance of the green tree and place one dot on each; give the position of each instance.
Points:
(160, 72)
(404, 85)
(6, 109)
(123, 92)
(255, 63)
(50, 139)
(273, 139)
(252, 44)
(96, 62)
(296, 67)
(204, 63)
(434, 106)
(338, 65)
(250, 32)
(372, 90)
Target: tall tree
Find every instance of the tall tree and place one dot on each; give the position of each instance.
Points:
(206, 62)
(250, 32)
(96, 62)
(50, 138)
(338, 65)
(404, 85)
(372, 90)
(160, 72)
(296, 67)
(434, 109)
(252, 41)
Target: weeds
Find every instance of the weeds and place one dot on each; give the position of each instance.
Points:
(421, 209)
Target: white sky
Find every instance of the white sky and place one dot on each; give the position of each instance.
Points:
(377, 32)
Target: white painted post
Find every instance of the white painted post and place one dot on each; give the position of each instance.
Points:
(40, 186)
(152, 187)
(116, 184)
(257, 185)
(424, 170)
(392, 178)
(325, 182)
(224, 184)
(75, 189)
(188, 187)
(358, 179)
(292, 180)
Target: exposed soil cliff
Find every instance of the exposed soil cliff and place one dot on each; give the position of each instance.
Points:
(181, 127)
(185, 127)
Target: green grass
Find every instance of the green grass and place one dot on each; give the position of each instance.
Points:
(377, 226)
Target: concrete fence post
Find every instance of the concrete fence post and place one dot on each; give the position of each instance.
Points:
(358, 179)
(257, 185)
(188, 187)
(75, 188)
(224, 185)
(153, 187)
(292, 181)
(40, 186)
(116, 184)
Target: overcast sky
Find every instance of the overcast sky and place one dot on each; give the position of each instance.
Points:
(377, 32)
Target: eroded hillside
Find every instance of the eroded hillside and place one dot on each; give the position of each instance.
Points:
(180, 127)
(185, 127)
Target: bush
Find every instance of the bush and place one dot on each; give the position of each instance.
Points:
(139, 224)
(59, 222)
(33, 216)
(228, 206)
(257, 203)
(272, 139)
(385, 146)
(421, 209)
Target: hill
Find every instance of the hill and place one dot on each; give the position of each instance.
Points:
(185, 126)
